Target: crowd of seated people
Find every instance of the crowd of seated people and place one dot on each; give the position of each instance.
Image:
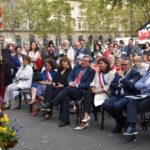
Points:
(111, 77)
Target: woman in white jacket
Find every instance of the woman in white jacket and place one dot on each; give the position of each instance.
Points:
(99, 90)
(23, 81)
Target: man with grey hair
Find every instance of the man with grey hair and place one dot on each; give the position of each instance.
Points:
(78, 81)
(121, 86)
(68, 51)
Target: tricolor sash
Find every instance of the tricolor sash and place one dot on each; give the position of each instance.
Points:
(49, 78)
(102, 80)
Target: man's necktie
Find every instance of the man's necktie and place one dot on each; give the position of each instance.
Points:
(78, 79)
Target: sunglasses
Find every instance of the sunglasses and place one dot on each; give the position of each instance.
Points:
(124, 64)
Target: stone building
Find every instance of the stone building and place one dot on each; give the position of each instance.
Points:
(22, 33)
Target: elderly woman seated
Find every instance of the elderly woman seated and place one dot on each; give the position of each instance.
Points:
(23, 81)
(39, 87)
(139, 65)
(99, 90)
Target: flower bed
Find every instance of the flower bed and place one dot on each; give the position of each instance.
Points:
(8, 133)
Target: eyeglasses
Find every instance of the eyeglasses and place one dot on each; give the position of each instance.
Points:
(85, 60)
(124, 64)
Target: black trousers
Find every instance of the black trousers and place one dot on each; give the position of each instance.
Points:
(51, 92)
(8, 79)
(64, 98)
(135, 106)
(88, 98)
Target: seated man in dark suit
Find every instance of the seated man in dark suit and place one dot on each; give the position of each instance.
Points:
(136, 105)
(79, 79)
(121, 86)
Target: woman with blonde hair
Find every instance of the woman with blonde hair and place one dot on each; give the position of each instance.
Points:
(139, 65)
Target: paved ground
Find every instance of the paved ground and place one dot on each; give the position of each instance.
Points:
(46, 135)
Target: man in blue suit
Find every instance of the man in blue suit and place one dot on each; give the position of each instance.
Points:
(121, 86)
(138, 104)
(78, 80)
(83, 50)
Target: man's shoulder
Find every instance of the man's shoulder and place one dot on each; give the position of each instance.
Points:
(134, 71)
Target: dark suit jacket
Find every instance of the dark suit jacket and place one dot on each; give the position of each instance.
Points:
(62, 78)
(16, 64)
(84, 51)
(7, 61)
(128, 83)
(86, 79)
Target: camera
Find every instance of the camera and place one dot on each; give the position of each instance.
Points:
(61, 55)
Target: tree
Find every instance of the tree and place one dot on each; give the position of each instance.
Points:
(98, 17)
(111, 15)
(61, 17)
(143, 7)
(11, 17)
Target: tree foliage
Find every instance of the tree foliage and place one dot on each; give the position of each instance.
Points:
(111, 15)
(42, 17)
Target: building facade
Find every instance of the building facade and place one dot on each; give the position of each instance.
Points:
(22, 33)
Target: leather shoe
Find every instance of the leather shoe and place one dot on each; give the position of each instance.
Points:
(63, 124)
(118, 128)
(86, 120)
(47, 115)
(82, 126)
(35, 112)
(130, 139)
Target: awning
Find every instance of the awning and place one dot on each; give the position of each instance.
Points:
(144, 31)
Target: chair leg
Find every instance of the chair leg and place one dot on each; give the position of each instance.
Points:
(95, 110)
(31, 107)
(142, 119)
(20, 100)
(24, 95)
(145, 122)
(102, 119)
(78, 113)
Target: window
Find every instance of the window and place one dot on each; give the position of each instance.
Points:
(80, 38)
(58, 41)
(90, 39)
(18, 41)
(79, 25)
(70, 40)
(32, 39)
(45, 41)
